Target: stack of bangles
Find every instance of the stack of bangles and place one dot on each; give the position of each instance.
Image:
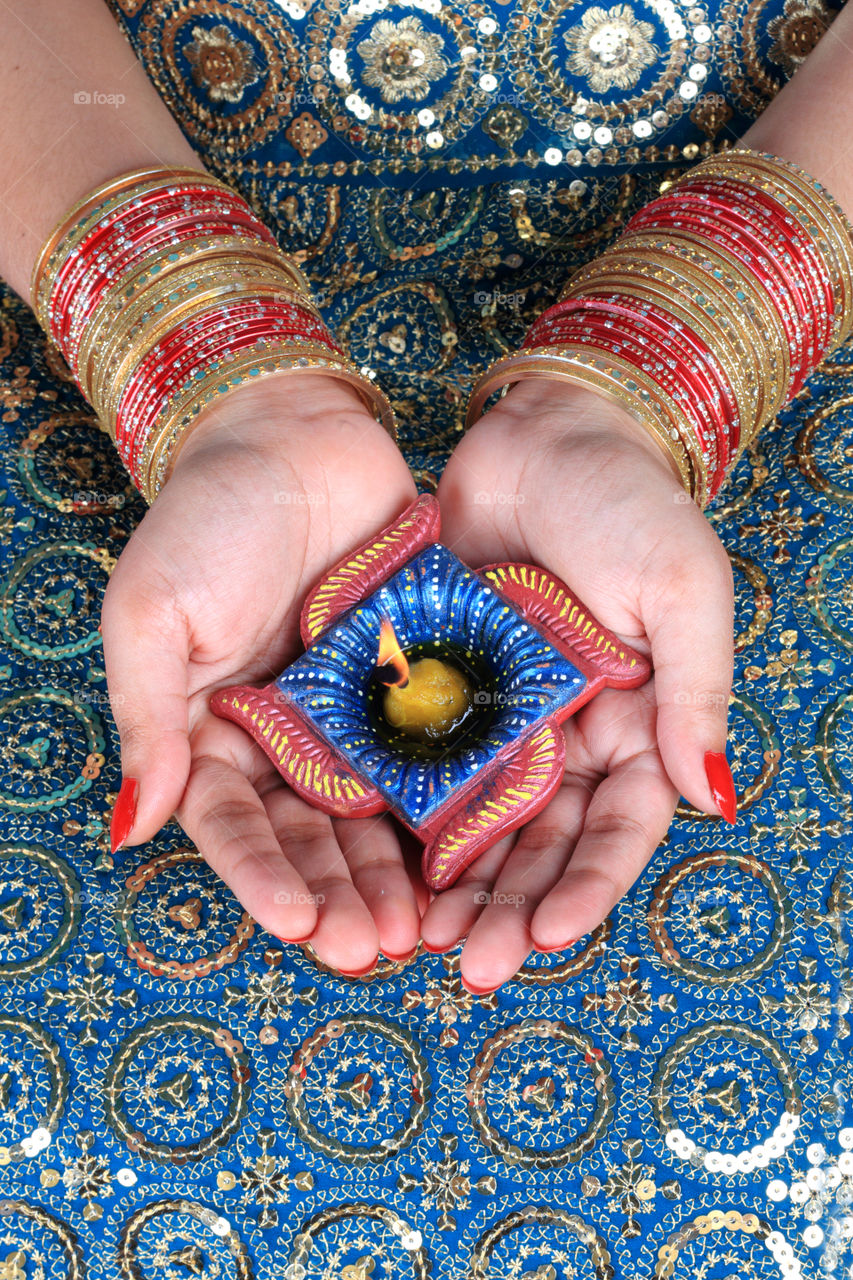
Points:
(707, 314)
(162, 290)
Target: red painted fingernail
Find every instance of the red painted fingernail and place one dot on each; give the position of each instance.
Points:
(561, 946)
(435, 951)
(124, 813)
(478, 991)
(359, 973)
(410, 955)
(721, 783)
(296, 940)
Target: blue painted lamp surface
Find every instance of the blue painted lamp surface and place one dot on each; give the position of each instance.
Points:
(527, 652)
(432, 599)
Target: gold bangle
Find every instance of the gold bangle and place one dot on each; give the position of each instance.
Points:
(726, 343)
(169, 265)
(82, 217)
(732, 290)
(608, 373)
(131, 347)
(161, 455)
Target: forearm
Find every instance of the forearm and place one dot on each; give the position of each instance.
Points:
(60, 147)
(810, 121)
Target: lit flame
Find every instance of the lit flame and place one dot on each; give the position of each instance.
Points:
(391, 655)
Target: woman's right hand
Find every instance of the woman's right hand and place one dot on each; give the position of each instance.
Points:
(276, 483)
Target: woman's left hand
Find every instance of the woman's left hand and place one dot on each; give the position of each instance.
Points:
(558, 476)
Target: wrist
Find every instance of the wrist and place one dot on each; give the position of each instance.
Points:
(568, 409)
(282, 406)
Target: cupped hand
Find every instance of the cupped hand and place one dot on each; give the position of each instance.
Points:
(275, 484)
(558, 476)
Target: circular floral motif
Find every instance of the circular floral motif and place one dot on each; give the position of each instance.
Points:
(829, 592)
(32, 1234)
(540, 1094)
(409, 321)
(48, 735)
(401, 58)
(63, 464)
(39, 910)
(349, 1241)
(359, 1089)
(33, 1087)
(176, 1088)
(538, 1238)
(796, 31)
(720, 918)
(405, 82)
(227, 72)
(606, 77)
(752, 74)
(193, 930)
(747, 1245)
(181, 1237)
(721, 1082)
(223, 66)
(610, 47)
(823, 449)
(50, 603)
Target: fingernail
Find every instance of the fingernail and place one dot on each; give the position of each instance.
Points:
(561, 946)
(359, 973)
(124, 813)
(721, 783)
(435, 951)
(477, 991)
(296, 940)
(410, 955)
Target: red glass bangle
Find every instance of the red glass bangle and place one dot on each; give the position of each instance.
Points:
(771, 280)
(794, 248)
(91, 281)
(736, 230)
(673, 338)
(687, 393)
(147, 388)
(110, 253)
(207, 336)
(738, 261)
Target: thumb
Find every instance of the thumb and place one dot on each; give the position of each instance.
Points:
(690, 625)
(146, 653)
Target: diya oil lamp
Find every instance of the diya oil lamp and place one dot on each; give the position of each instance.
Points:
(432, 691)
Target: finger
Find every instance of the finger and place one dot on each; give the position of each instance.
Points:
(345, 936)
(500, 940)
(451, 913)
(627, 817)
(146, 653)
(688, 613)
(224, 817)
(372, 853)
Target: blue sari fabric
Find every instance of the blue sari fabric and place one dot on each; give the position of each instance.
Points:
(183, 1096)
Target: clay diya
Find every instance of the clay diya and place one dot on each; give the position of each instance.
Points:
(432, 691)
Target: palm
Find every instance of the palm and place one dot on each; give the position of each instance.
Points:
(587, 504)
(233, 572)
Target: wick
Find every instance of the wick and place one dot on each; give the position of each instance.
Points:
(385, 675)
